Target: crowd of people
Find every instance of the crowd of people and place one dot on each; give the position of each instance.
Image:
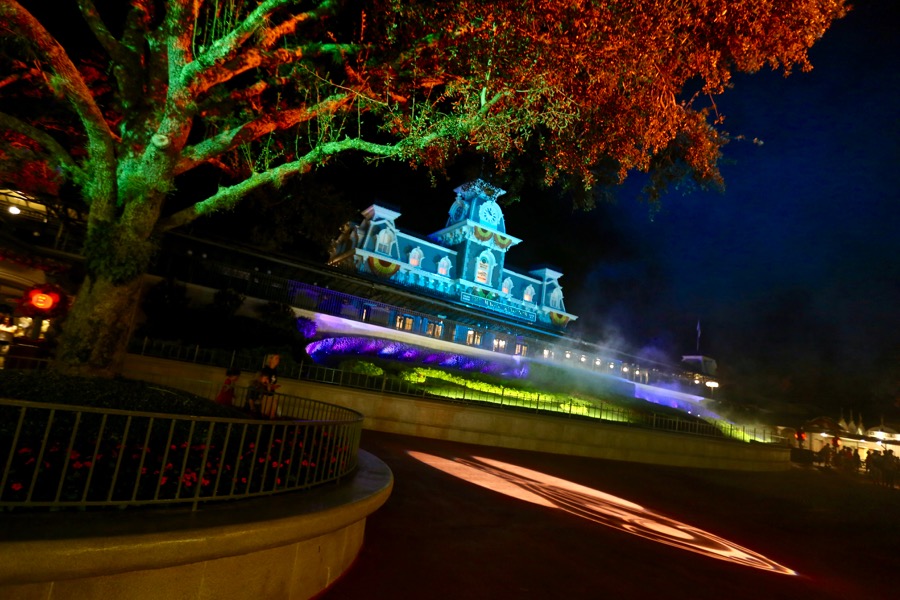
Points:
(881, 466)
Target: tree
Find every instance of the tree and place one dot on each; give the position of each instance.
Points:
(247, 93)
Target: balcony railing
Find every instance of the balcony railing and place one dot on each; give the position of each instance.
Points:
(512, 399)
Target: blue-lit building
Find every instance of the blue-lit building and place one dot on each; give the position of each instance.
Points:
(465, 262)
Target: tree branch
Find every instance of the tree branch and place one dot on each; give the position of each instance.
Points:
(217, 63)
(112, 46)
(277, 121)
(68, 82)
(47, 141)
(227, 198)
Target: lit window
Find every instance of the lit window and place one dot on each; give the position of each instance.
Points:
(484, 267)
(473, 338)
(444, 267)
(499, 344)
(385, 241)
(435, 330)
(507, 285)
(528, 296)
(521, 349)
(415, 257)
(404, 322)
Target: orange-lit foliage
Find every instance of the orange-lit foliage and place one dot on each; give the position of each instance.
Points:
(618, 79)
(264, 90)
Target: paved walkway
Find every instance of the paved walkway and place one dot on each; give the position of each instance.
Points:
(472, 522)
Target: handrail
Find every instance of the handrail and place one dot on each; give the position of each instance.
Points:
(59, 456)
(514, 400)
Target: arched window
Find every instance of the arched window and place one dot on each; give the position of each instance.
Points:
(528, 296)
(385, 241)
(484, 267)
(507, 286)
(444, 267)
(415, 257)
(556, 299)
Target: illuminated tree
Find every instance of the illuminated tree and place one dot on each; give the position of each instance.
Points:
(252, 92)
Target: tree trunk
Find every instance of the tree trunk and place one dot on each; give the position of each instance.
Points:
(95, 335)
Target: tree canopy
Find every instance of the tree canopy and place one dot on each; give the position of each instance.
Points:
(127, 101)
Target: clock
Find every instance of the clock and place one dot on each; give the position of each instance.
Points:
(459, 211)
(490, 213)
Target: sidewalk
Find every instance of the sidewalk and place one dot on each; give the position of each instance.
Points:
(472, 522)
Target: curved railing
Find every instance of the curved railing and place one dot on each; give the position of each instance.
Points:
(63, 456)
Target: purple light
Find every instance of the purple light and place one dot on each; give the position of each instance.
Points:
(329, 349)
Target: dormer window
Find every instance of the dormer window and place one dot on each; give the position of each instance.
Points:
(444, 267)
(528, 296)
(556, 299)
(385, 241)
(507, 286)
(415, 257)
(484, 267)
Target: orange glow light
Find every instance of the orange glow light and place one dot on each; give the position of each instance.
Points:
(43, 301)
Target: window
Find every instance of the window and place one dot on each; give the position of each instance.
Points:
(528, 296)
(521, 349)
(473, 338)
(548, 353)
(444, 267)
(385, 241)
(484, 267)
(415, 257)
(435, 330)
(499, 345)
(507, 286)
(556, 298)
(404, 322)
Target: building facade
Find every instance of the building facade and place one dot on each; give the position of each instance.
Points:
(464, 262)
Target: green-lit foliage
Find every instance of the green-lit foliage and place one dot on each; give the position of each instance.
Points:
(142, 93)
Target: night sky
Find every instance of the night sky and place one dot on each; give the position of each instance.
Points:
(793, 272)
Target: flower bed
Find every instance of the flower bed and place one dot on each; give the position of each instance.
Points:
(58, 455)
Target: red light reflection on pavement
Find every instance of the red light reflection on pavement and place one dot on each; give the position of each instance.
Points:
(594, 505)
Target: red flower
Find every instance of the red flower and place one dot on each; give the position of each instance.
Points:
(17, 486)
(24, 450)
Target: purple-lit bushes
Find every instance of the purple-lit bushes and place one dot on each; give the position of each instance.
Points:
(331, 350)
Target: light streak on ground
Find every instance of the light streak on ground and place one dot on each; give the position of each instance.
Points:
(599, 507)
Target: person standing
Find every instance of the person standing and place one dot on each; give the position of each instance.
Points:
(226, 393)
(7, 334)
(270, 371)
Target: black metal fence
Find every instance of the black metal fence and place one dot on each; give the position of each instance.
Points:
(62, 456)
